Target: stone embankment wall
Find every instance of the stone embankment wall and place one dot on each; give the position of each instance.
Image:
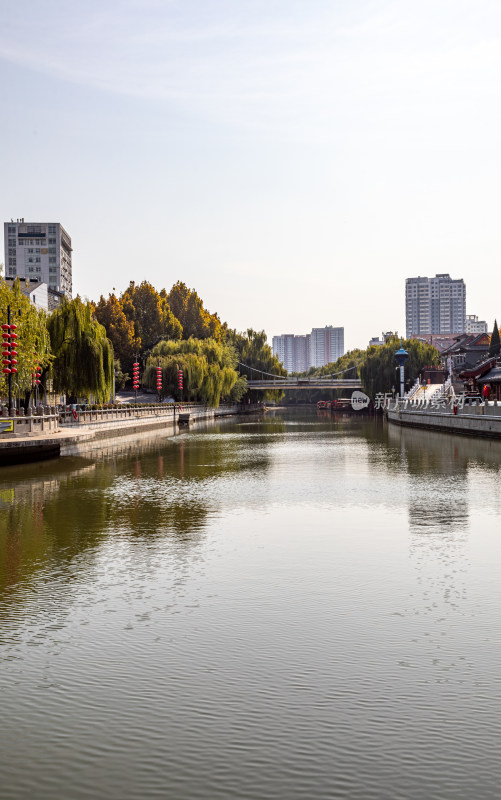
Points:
(65, 434)
(480, 419)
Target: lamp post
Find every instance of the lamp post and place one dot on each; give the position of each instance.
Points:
(401, 357)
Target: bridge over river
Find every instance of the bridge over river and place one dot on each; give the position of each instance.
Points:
(304, 383)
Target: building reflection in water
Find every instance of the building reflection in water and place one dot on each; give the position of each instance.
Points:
(441, 479)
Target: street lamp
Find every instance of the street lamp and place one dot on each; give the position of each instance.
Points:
(401, 357)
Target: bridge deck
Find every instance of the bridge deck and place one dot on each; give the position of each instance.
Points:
(305, 383)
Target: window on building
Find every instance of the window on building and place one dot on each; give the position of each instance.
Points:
(52, 240)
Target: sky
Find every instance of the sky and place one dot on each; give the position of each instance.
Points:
(292, 160)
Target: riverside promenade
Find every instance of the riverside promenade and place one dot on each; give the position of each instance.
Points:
(61, 434)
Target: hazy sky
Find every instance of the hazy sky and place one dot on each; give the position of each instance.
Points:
(292, 161)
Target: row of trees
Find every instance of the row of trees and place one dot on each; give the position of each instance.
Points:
(70, 347)
(82, 347)
(141, 317)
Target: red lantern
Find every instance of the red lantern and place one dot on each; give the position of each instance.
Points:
(180, 379)
(5, 327)
(6, 371)
(135, 375)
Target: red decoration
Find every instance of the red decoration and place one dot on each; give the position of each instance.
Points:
(135, 375)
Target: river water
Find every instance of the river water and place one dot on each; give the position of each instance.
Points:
(287, 607)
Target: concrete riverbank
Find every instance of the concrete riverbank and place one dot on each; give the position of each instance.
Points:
(70, 439)
(481, 419)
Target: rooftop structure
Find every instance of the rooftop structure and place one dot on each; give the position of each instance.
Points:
(474, 325)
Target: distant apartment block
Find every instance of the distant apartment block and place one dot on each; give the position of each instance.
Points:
(474, 325)
(435, 305)
(299, 353)
(39, 251)
(326, 345)
(283, 348)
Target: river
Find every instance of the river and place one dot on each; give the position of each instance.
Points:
(289, 607)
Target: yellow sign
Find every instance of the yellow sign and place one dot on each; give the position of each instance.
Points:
(7, 426)
(44, 250)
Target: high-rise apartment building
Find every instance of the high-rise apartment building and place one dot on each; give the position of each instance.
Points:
(435, 305)
(40, 250)
(326, 345)
(299, 353)
(283, 348)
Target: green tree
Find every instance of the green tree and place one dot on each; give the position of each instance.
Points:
(150, 314)
(495, 344)
(119, 330)
(378, 372)
(83, 355)
(254, 352)
(189, 309)
(209, 370)
(33, 338)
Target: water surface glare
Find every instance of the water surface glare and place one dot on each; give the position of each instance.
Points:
(285, 608)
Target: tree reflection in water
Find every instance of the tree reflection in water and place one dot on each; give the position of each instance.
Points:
(153, 486)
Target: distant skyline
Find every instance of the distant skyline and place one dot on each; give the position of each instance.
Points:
(293, 162)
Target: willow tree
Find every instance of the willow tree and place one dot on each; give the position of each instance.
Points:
(256, 360)
(209, 370)
(33, 338)
(378, 371)
(83, 356)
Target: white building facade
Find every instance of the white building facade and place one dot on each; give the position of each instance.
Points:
(39, 251)
(474, 325)
(435, 305)
(36, 292)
